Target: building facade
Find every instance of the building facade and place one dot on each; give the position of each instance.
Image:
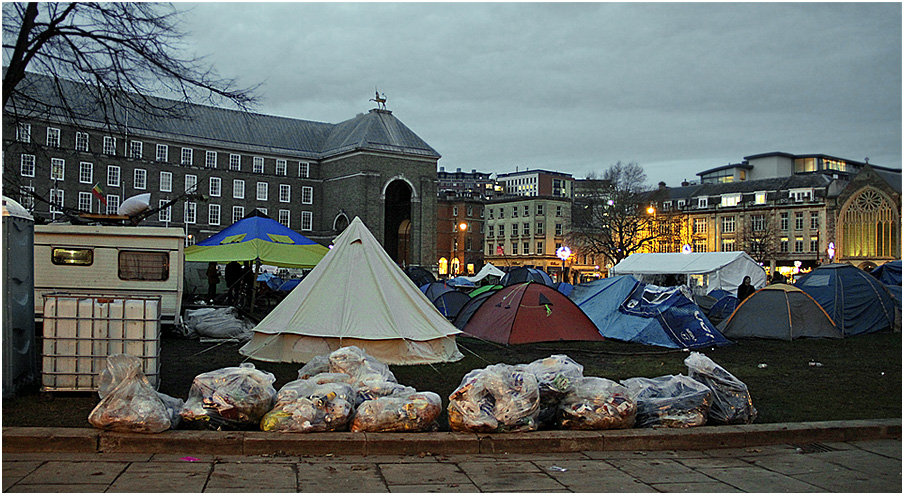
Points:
(537, 183)
(789, 212)
(527, 231)
(219, 165)
(459, 237)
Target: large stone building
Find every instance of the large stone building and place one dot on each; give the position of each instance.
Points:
(459, 236)
(314, 177)
(789, 211)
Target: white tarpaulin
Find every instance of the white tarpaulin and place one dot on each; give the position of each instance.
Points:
(356, 295)
(488, 270)
(702, 272)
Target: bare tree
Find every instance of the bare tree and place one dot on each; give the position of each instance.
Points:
(758, 237)
(612, 221)
(124, 54)
(108, 64)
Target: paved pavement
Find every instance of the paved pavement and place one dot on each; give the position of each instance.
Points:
(855, 466)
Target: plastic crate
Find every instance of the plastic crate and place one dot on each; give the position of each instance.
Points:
(80, 331)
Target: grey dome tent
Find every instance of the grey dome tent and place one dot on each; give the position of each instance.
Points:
(779, 311)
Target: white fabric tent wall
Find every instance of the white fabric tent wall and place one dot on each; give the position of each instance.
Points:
(724, 270)
(356, 296)
(488, 270)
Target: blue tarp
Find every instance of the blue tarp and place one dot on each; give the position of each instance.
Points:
(888, 273)
(270, 279)
(622, 309)
(856, 301)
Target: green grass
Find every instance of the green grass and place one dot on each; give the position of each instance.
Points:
(860, 377)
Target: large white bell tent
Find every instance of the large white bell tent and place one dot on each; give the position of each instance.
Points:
(356, 295)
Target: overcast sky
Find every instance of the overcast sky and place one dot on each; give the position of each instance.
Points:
(677, 88)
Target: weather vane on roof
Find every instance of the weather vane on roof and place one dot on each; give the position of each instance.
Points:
(381, 100)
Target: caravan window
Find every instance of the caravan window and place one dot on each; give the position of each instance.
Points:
(143, 265)
(72, 256)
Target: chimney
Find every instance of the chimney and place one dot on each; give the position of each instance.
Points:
(662, 184)
(685, 183)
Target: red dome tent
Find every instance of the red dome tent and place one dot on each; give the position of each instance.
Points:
(530, 312)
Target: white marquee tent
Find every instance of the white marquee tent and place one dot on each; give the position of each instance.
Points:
(488, 270)
(702, 272)
(356, 295)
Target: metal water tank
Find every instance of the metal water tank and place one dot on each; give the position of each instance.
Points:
(19, 354)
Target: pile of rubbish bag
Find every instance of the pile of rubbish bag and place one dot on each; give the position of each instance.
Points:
(349, 390)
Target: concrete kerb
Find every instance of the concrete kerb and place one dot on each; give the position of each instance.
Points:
(86, 440)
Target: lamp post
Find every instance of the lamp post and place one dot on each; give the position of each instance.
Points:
(563, 253)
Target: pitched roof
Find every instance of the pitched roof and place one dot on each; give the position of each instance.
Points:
(377, 130)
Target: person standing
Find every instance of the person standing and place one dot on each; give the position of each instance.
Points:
(233, 277)
(745, 290)
(213, 278)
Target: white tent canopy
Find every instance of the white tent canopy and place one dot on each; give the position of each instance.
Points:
(356, 296)
(488, 270)
(702, 272)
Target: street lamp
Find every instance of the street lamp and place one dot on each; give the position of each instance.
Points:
(463, 226)
(651, 210)
(563, 253)
(831, 251)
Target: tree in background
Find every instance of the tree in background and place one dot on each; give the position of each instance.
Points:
(111, 64)
(617, 216)
(125, 53)
(758, 237)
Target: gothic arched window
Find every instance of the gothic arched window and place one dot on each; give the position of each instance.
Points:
(870, 227)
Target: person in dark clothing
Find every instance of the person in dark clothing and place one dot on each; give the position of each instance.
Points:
(233, 275)
(745, 289)
(213, 278)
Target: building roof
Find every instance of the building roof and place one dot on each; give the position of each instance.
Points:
(534, 171)
(377, 130)
(726, 167)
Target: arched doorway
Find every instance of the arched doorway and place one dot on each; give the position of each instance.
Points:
(397, 221)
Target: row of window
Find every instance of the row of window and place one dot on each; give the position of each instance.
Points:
(525, 230)
(135, 150)
(524, 211)
(734, 199)
(499, 249)
(86, 176)
(190, 215)
(758, 222)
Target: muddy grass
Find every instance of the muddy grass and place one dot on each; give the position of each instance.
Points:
(859, 377)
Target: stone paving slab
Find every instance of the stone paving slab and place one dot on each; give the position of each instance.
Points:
(706, 487)
(596, 476)
(362, 476)
(235, 477)
(756, 480)
(13, 471)
(400, 474)
(659, 471)
(882, 447)
(21, 488)
(75, 473)
(446, 488)
(160, 479)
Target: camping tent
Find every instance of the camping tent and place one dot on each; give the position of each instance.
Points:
(530, 312)
(854, 299)
(258, 237)
(523, 274)
(723, 308)
(355, 296)
(673, 321)
(467, 311)
(702, 272)
(488, 270)
(888, 273)
(779, 311)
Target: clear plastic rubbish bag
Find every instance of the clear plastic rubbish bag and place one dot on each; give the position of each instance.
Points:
(405, 412)
(305, 406)
(732, 403)
(317, 365)
(671, 401)
(353, 361)
(597, 404)
(128, 401)
(498, 398)
(234, 398)
(556, 376)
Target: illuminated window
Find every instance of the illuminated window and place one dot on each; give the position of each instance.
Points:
(870, 226)
(730, 200)
(760, 197)
(72, 256)
(443, 266)
(699, 225)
